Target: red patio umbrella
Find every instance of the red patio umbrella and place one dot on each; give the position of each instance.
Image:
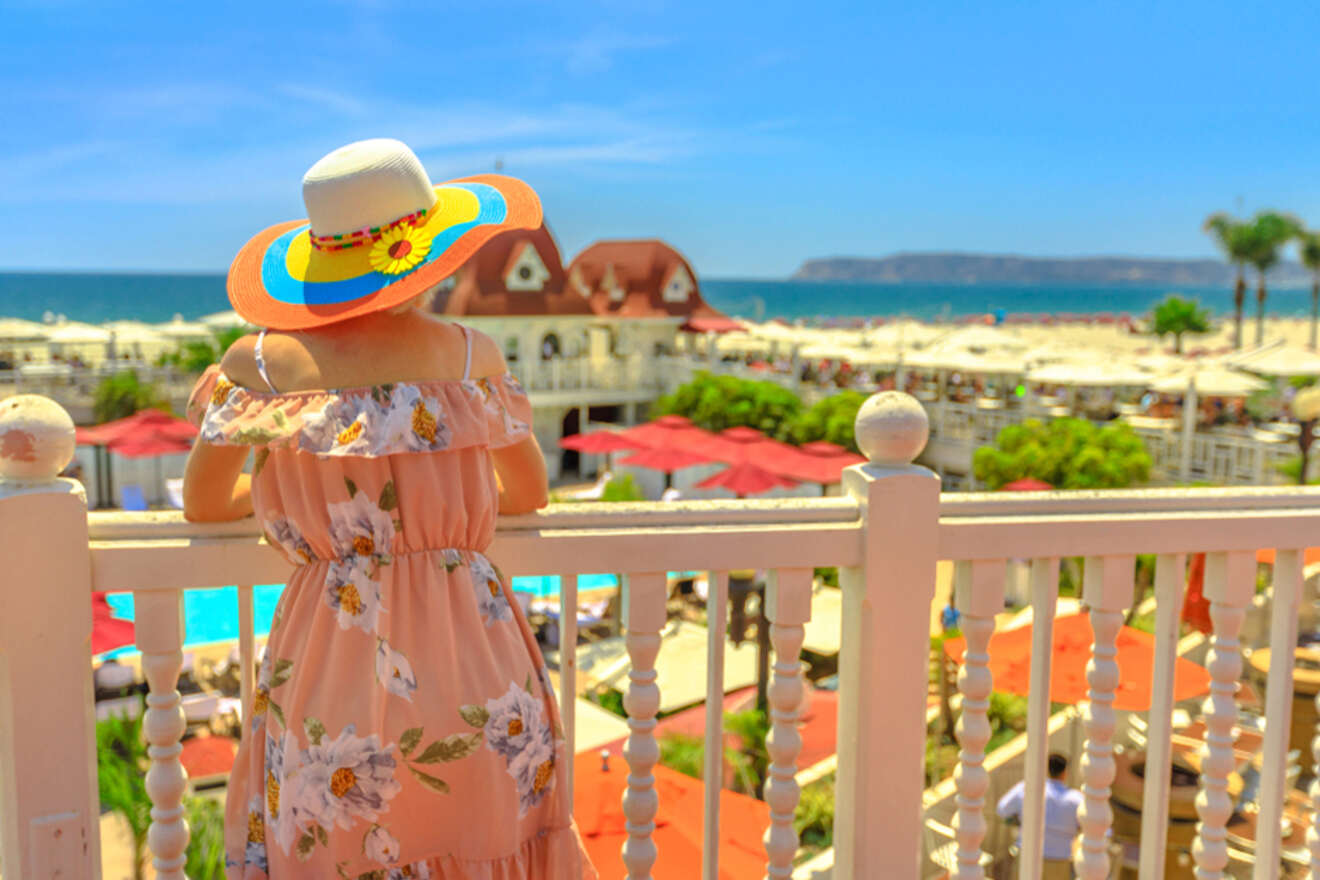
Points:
(1026, 484)
(149, 443)
(108, 632)
(745, 478)
(1010, 664)
(107, 433)
(598, 808)
(666, 459)
(125, 436)
(600, 443)
(817, 465)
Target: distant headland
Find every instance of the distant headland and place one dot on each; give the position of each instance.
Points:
(962, 268)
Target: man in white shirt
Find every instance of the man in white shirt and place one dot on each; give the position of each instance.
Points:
(1061, 803)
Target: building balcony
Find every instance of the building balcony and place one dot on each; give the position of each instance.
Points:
(888, 536)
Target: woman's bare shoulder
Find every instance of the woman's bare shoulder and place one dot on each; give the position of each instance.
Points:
(487, 359)
(239, 362)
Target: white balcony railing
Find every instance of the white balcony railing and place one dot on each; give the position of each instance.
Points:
(886, 535)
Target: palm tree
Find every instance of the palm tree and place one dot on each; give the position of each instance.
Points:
(1309, 250)
(1270, 231)
(1235, 239)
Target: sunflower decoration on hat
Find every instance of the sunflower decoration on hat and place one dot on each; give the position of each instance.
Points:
(377, 234)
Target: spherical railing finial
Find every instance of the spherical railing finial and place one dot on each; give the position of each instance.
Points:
(891, 428)
(36, 438)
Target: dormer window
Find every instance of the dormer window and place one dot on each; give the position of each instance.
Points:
(678, 287)
(575, 281)
(527, 272)
(611, 284)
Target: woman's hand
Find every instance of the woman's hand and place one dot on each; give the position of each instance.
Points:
(215, 489)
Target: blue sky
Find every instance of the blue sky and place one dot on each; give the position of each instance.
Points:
(751, 136)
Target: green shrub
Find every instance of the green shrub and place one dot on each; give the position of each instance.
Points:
(622, 488)
(1066, 453)
(121, 772)
(831, 419)
(123, 394)
(206, 843)
(814, 819)
(750, 763)
(719, 402)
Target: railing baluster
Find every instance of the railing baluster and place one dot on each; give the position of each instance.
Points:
(1044, 599)
(1170, 571)
(644, 614)
(788, 608)
(980, 596)
(568, 636)
(1107, 590)
(717, 601)
(1287, 590)
(1230, 582)
(246, 656)
(159, 628)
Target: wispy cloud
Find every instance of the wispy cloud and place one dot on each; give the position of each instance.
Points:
(595, 52)
(449, 139)
(336, 102)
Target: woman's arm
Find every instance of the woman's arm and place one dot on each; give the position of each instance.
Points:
(215, 489)
(520, 467)
(520, 470)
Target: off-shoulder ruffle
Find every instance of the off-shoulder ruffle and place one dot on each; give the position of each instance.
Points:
(369, 421)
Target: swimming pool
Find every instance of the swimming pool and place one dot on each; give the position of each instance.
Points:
(212, 615)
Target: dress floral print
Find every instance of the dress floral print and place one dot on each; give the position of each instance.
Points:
(400, 693)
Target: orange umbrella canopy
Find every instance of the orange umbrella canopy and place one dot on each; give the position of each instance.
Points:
(597, 806)
(1010, 664)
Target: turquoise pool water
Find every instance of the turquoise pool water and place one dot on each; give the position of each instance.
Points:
(212, 615)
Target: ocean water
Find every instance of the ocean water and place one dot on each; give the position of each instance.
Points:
(96, 298)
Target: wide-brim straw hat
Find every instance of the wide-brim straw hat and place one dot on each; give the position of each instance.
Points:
(378, 234)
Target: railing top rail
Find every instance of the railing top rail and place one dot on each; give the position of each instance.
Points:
(149, 525)
(578, 516)
(1072, 502)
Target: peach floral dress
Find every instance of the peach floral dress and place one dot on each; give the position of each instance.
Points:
(403, 724)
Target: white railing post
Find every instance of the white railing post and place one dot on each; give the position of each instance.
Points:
(1107, 590)
(48, 790)
(979, 589)
(644, 614)
(159, 631)
(1230, 582)
(885, 652)
(788, 608)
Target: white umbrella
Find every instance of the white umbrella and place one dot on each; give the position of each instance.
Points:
(135, 333)
(741, 342)
(982, 338)
(224, 320)
(18, 330)
(1280, 360)
(76, 333)
(1098, 374)
(1000, 364)
(1211, 380)
(181, 329)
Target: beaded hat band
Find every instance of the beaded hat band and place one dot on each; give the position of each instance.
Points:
(362, 236)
